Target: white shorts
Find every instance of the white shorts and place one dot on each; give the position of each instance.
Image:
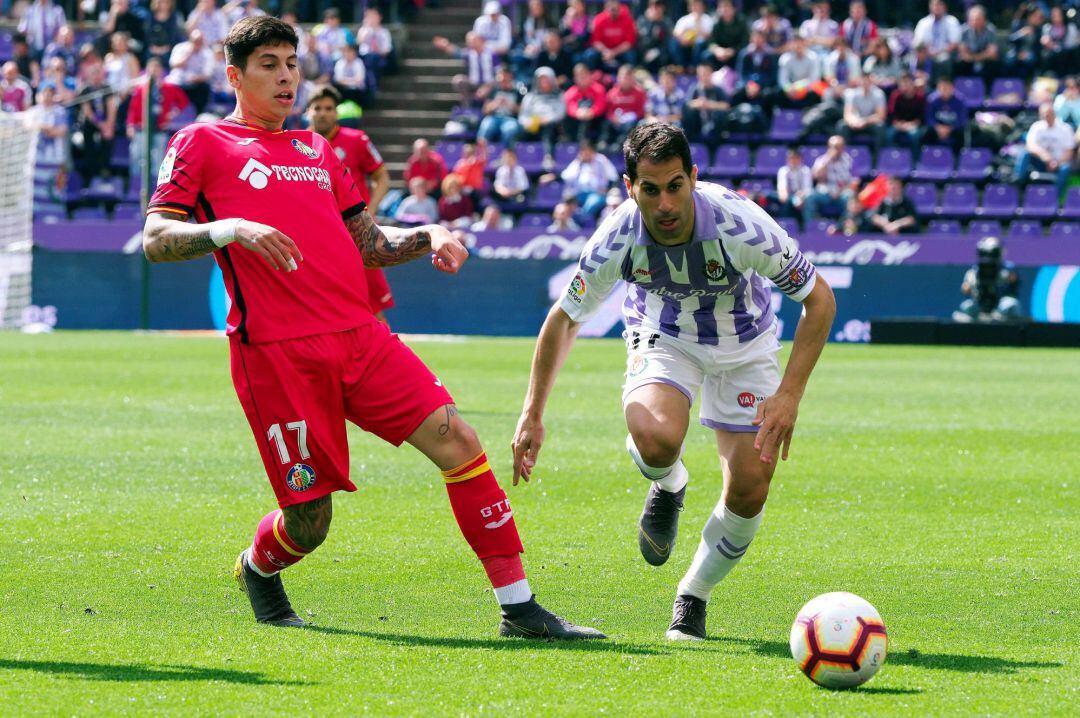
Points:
(730, 392)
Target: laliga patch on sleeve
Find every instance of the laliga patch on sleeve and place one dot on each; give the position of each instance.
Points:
(165, 171)
(576, 292)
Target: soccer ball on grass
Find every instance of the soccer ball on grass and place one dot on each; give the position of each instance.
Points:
(839, 640)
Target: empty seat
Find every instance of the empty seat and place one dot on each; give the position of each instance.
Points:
(810, 153)
(1006, 93)
(494, 156)
(758, 186)
(1071, 208)
(768, 160)
(1025, 229)
(1040, 201)
(546, 197)
(533, 220)
(923, 195)
(972, 90)
(959, 200)
(531, 156)
(984, 228)
(999, 200)
(731, 161)
(1065, 231)
(936, 163)
(974, 164)
(786, 125)
(895, 162)
(450, 150)
(820, 226)
(860, 160)
(789, 225)
(565, 153)
(944, 226)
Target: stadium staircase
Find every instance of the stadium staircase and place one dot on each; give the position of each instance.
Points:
(416, 101)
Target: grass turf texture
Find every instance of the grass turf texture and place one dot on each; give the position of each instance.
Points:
(940, 484)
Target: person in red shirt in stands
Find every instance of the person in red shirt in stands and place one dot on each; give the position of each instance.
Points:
(586, 101)
(470, 168)
(613, 38)
(625, 109)
(168, 101)
(427, 163)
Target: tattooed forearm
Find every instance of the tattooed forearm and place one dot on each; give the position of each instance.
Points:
(444, 428)
(308, 523)
(387, 246)
(168, 238)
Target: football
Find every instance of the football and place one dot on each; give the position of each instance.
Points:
(839, 640)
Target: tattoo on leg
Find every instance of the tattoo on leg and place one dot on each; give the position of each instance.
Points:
(444, 428)
(308, 523)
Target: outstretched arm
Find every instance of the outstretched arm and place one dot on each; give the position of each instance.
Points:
(169, 237)
(552, 346)
(390, 246)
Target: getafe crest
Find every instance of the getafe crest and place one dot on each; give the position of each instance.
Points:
(305, 150)
(715, 270)
(301, 477)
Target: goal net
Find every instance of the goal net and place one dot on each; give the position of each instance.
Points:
(18, 148)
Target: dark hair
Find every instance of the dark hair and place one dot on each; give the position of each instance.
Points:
(656, 142)
(253, 32)
(324, 92)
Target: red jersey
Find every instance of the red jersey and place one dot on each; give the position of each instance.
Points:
(293, 182)
(354, 149)
(610, 32)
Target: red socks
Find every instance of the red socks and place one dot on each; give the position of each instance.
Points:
(272, 549)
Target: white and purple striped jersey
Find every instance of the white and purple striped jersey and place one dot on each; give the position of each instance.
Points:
(709, 290)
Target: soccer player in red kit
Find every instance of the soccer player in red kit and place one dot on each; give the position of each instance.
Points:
(288, 227)
(358, 154)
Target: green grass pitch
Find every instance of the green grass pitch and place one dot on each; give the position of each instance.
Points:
(940, 484)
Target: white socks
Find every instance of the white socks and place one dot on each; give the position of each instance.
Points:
(669, 478)
(724, 540)
(516, 592)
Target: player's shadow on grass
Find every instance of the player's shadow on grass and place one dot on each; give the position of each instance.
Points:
(912, 657)
(401, 639)
(135, 673)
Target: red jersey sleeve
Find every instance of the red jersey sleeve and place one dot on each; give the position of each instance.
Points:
(368, 158)
(349, 200)
(180, 177)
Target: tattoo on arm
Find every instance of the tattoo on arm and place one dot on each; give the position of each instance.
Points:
(308, 523)
(444, 428)
(168, 237)
(387, 246)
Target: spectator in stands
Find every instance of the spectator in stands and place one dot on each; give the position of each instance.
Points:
(190, 66)
(946, 116)
(16, 95)
(122, 68)
(859, 31)
(1060, 39)
(842, 67)
(417, 207)
(475, 83)
(314, 65)
(705, 112)
(511, 182)
(750, 109)
(612, 200)
(978, 52)
(492, 220)
(375, 43)
(63, 47)
(163, 29)
(834, 183)
(940, 33)
(207, 19)
(882, 65)
(820, 31)
(896, 213)
(586, 102)
(168, 101)
(52, 143)
(40, 23)
(426, 164)
(920, 63)
(690, 38)
(350, 77)
(1067, 104)
(757, 62)
(865, 112)
(794, 183)
(625, 109)
(730, 33)
(654, 36)
(237, 10)
(495, 28)
(665, 101)
(121, 18)
(29, 67)
(613, 38)
(853, 220)
(470, 168)
(1050, 147)
(536, 25)
(574, 27)
(331, 36)
(456, 208)
(562, 220)
(1025, 42)
(95, 126)
(56, 74)
(542, 113)
(501, 108)
(798, 75)
(588, 177)
(556, 57)
(776, 29)
(907, 109)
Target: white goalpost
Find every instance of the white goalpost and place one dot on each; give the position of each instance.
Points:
(18, 148)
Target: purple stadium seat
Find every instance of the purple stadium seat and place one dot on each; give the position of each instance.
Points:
(768, 160)
(7, 50)
(699, 155)
(1065, 231)
(860, 160)
(999, 200)
(758, 186)
(565, 153)
(789, 225)
(786, 125)
(936, 164)
(974, 164)
(895, 162)
(103, 190)
(685, 82)
(923, 195)
(819, 226)
(531, 156)
(984, 228)
(532, 220)
(959, 200)
(450, 151)
(1040, 201)
(1006, 94)
(546, 197)
(1071, 208)
(618, 159)
(127, 210)
(810, 153)
(731, 161)
(494, 154)
(1025, 229)
(944, 226)
(972, 90)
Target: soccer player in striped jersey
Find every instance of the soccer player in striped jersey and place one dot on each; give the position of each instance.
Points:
(695, 258)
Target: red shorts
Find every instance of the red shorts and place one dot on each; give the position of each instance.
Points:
(298, 393)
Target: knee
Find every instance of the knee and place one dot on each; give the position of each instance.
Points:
(656, 449)
(308, 524)
(458, 434)
(747, 501)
